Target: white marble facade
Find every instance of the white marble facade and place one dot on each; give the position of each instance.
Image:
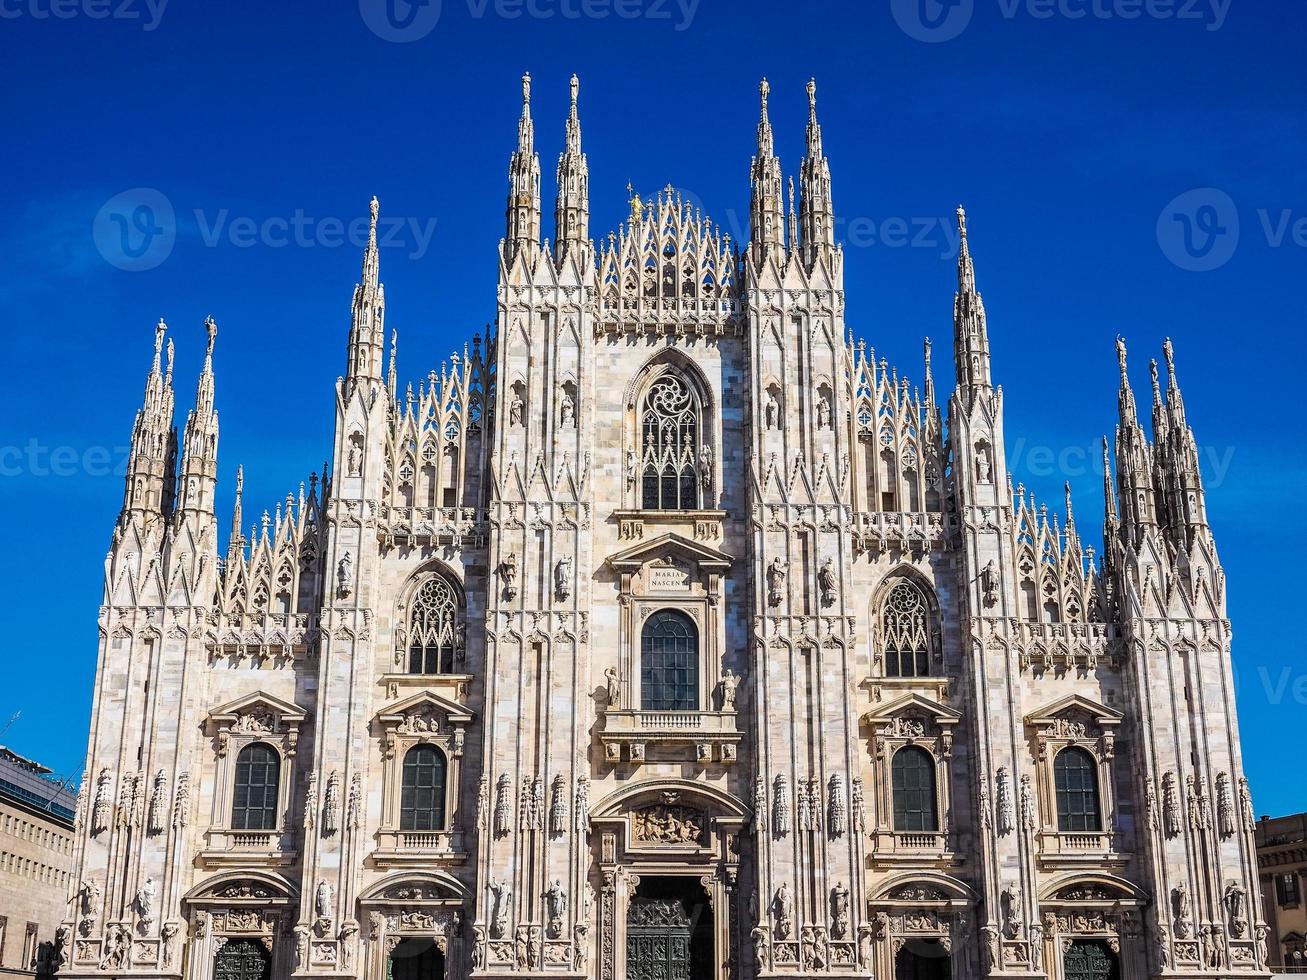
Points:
(664, 598)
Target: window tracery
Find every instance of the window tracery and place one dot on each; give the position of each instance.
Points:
(669, 441)
(435, 642)
(905, 631)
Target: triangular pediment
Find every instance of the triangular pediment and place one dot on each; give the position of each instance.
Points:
(257, 701)
(1101, 713)
(670, 544)
(913, 704)
(425, 702)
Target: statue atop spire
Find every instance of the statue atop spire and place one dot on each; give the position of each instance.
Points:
(151, 464)
(970, 330)
(816, 203)
(572, 206)
(766, 206)
(199, 473)
(523, 215)
(367, 331)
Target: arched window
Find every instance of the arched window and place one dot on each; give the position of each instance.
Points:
(254, 799)
(905, 631)
(422, 797)
(669, 663)
(913, 772)
(1075, 775)
(434, 634)
(669, 446)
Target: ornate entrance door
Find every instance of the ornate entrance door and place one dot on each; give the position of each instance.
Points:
(1090, 960)
(657, 940)
(242, 959)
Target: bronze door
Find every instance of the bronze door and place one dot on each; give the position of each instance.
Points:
(1089, 960)
(657, 940)
(242, 959)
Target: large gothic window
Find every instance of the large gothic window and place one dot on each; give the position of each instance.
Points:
(1076, 779)
(422, 796)
(669, 663)
(434, 639)
(913, 777)
(905, 631)
(254, 800)
(669, 446)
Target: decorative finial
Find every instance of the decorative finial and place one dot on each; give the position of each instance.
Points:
(1169, 353)
(1120, 354)
(962, 220)
(375, 209)
(576, 85)
(812, 94)
(927, 345)
(526, 89)
(764, 89)
(1157, 388)
(211, 328)
(636, 205)
(160, 329)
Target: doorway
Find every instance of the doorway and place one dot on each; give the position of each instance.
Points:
(923, 959)
(1090, 959)
(669, 931)
(416, 959)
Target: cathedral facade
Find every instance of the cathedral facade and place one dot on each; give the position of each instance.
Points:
(663, 633)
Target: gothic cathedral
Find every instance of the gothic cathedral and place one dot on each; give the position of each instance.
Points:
(663, 634)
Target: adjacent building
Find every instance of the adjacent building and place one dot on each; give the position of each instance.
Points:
(1282, 861)
(664, 632)
(36, 863)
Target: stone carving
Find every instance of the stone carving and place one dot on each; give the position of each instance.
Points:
(613, 688)
(667, 823)
(760, 802)
(1236, 907)
(1003, 796)
(761, 947)
(991, 955)
(826, 582)
(563, 578)
(1010, 903)
(62, 942)
(1180, 910)
(823, 412)
(145, 899)
(1246, 805)
(558, 805)
(582, 805)
(836, 814)
(345, 576)
(556, 906)
(311, 802)
(508, 576)
(354, 809)
(322, 905)
(1224, 807)
(772, 411)
(1170, 805)
(117, 940)
(730, 681)
(857, 806)
(839, 910)
(331, 805)
(989, 583)
(479, 948)
(103, 808)
(776, 572)
(349, 932)
(483, 801)
(580, 947)
(516, 411)
(781, 804)
(532, 804)
(503, 805)
(783, 909)
(302, 939)
(567, 412)
(157, 820)
(502, 895)
(181, 804)
(1027, 805)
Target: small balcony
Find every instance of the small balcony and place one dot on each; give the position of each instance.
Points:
(710, 736)
(399, 848)
(918, 847)
(1080, 849)
(227, 847)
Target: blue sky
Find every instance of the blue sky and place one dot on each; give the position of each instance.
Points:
(1073, 130)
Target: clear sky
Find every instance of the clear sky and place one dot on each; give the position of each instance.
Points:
(1073, 130)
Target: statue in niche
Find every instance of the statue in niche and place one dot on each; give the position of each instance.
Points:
(783, 908)
(563, 578)
(567, 412)
(508, 575)
(516, 411)
(826, 582)
(614, 688)
(772, 411)
(823, 412)
(730, 681)
(776, 580)
(984, 471)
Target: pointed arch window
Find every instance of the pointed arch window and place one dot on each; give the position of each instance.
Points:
(905, 631)
(434, 630)
(254, 798)
(422, 793)
(913, 776)
(1075, 776)
(669, 663)
(670, 434)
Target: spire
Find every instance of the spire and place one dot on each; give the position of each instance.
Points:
(572, 208)
(236, 541)
(523, 216)
(367, 325)
(200, 439)
(152, 462)
(391, 364)
(1134, 456)
(816, 205)
(970, 331)
(766, 207)
(1178, 457)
